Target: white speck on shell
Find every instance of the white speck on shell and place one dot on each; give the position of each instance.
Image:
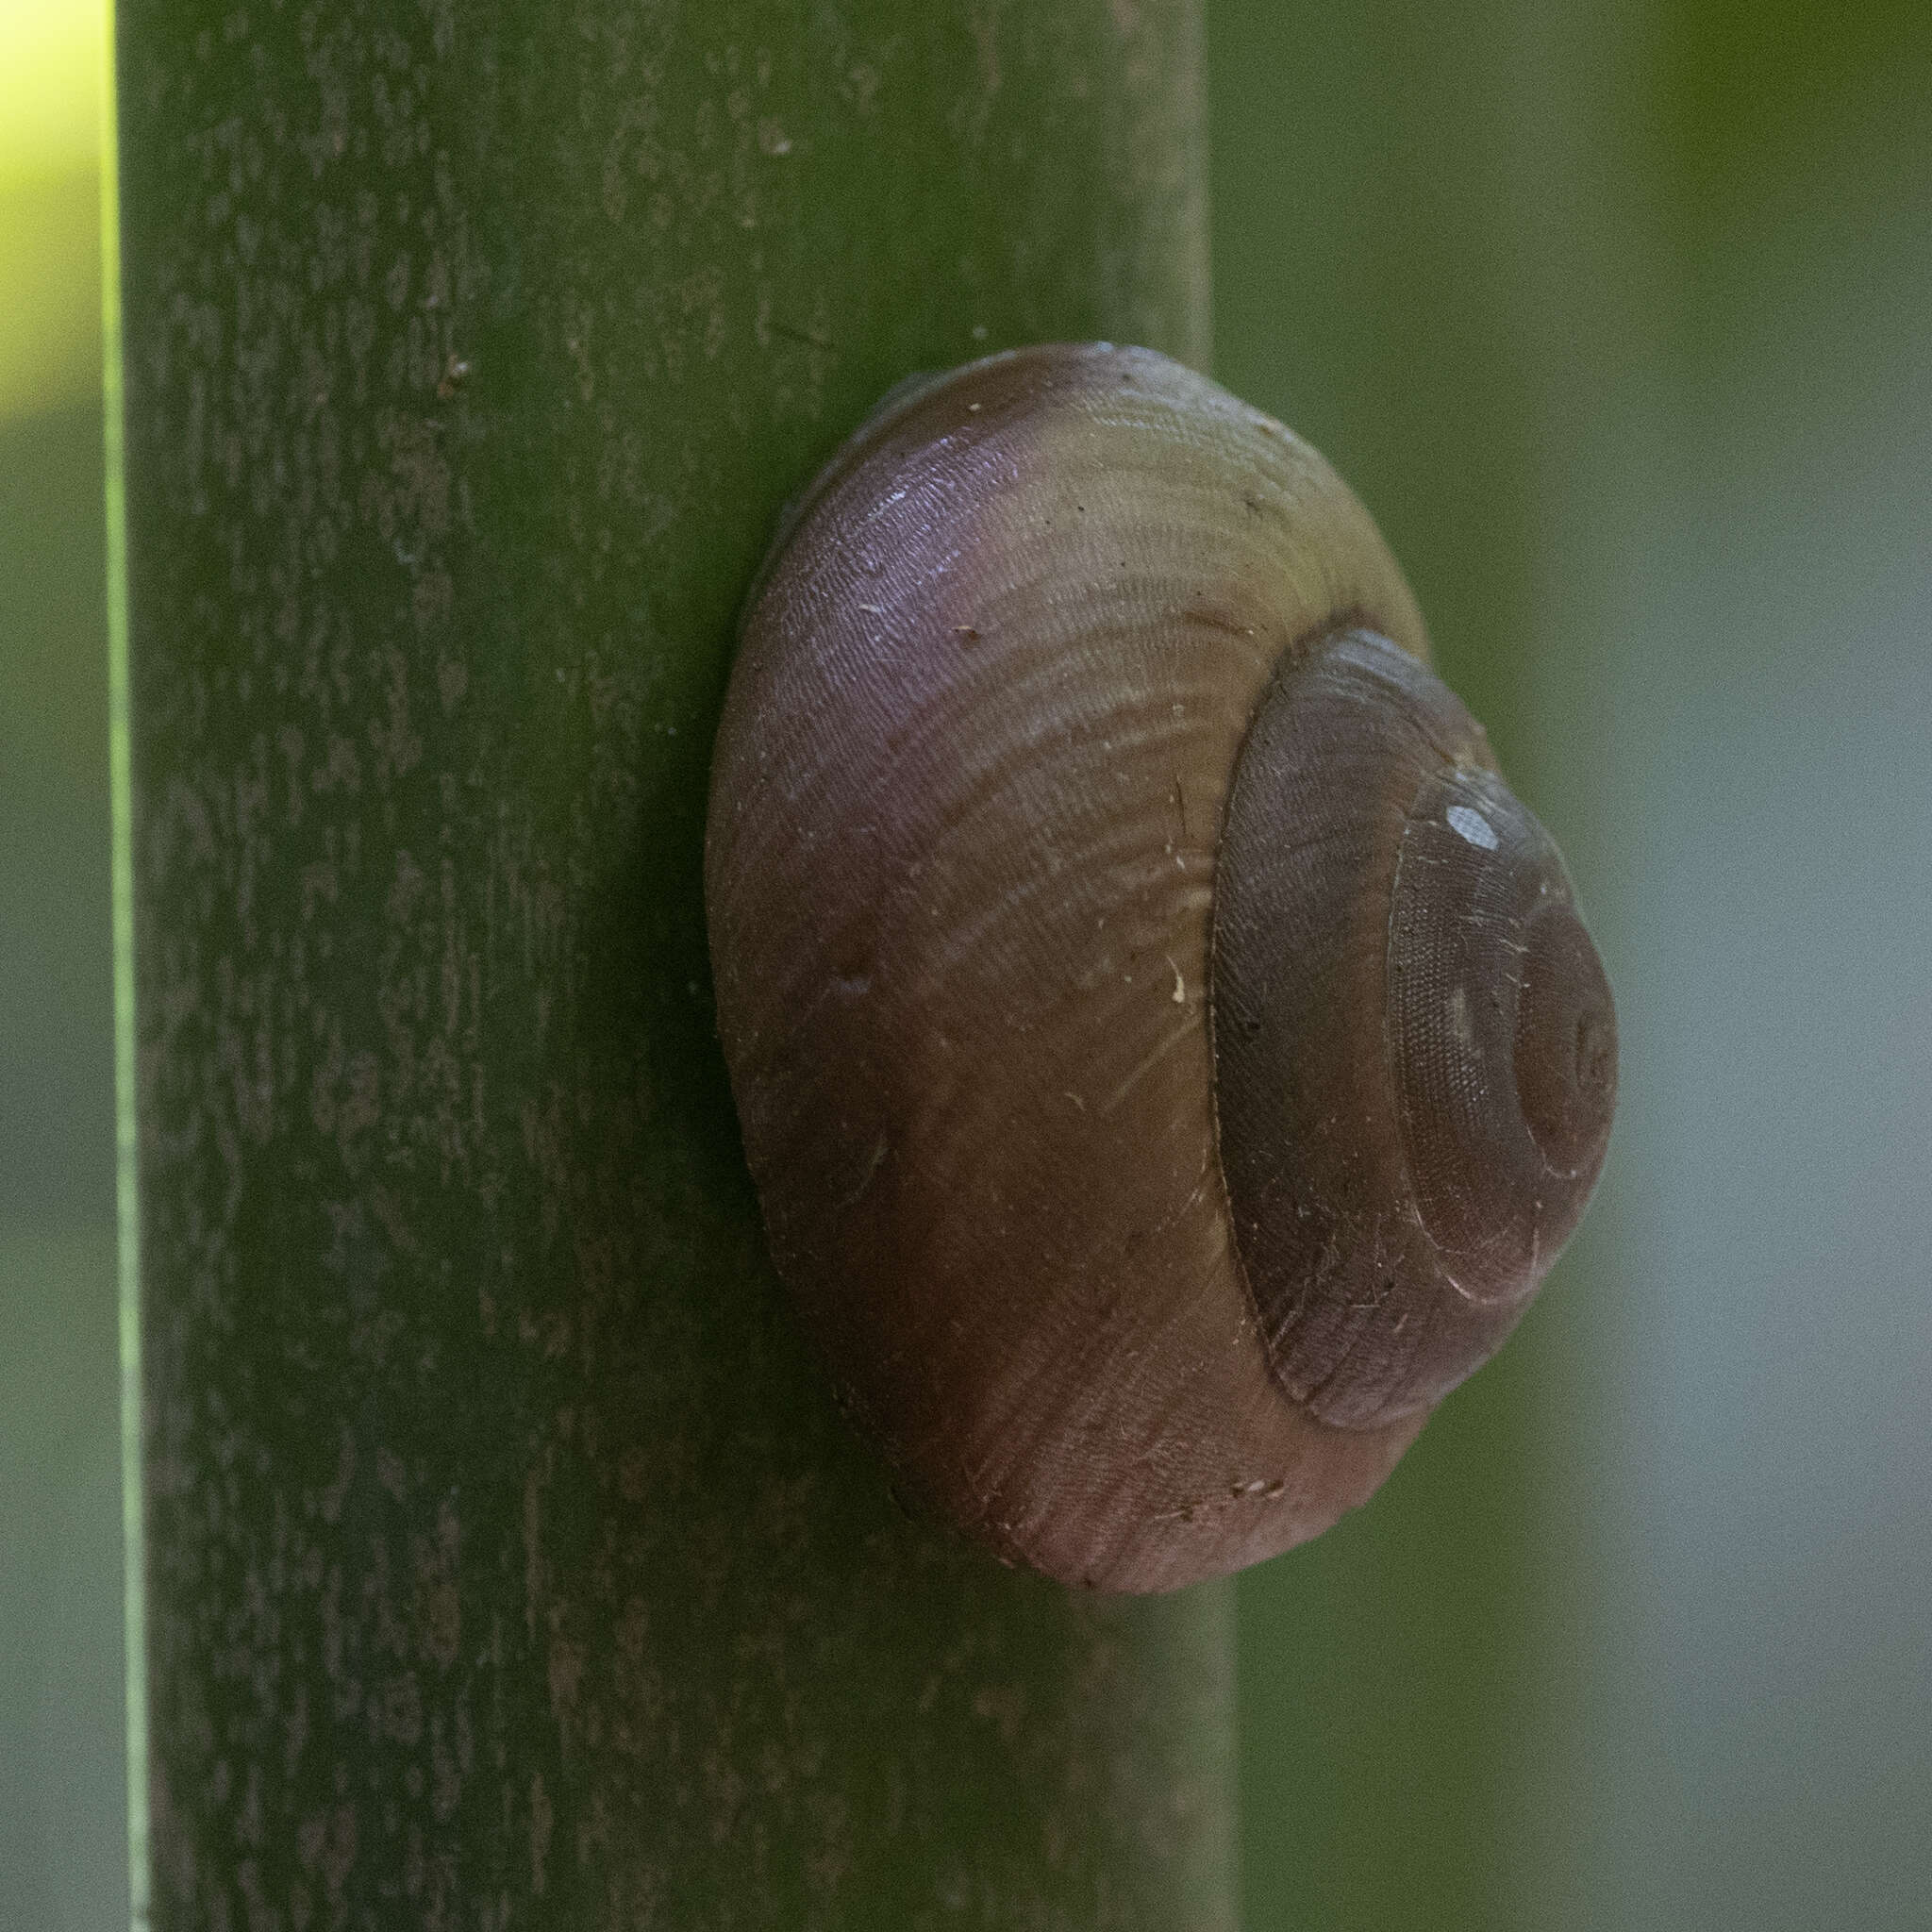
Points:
(1472, 825)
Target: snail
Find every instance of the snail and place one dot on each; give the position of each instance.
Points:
(1168, 1057)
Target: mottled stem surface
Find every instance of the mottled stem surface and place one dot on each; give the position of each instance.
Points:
(506, 1560)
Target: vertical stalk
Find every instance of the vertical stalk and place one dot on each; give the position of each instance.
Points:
(505, 1560)
(126, 1127)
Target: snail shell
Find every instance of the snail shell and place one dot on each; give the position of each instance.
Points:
(1168, 1055)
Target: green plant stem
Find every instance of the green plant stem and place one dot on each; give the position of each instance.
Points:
(504, 1561)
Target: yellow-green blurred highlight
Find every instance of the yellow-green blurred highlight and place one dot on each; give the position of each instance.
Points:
(51, 53)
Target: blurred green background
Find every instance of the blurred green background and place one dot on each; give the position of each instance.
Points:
(62, 1805)
(1621, 324)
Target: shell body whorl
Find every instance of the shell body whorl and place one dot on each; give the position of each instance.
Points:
(971, 968)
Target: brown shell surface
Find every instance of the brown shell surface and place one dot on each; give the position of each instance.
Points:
(967, 790)
(1414, 1042)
